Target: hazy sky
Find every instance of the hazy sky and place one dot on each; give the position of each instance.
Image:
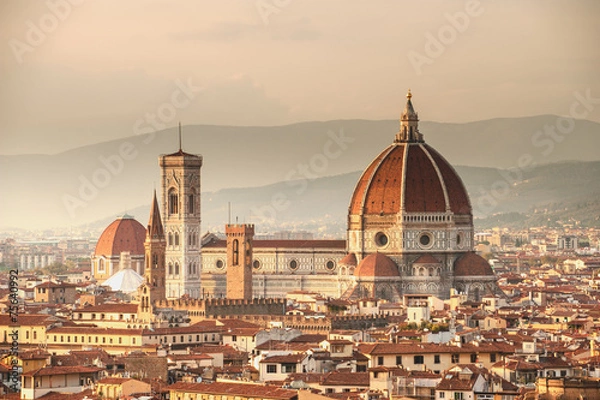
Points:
(75, 72)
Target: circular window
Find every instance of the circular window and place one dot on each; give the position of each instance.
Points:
(425, 240)
(330, 265)
(293, 265)
(219, 264)
(256, 264)
(381, 239)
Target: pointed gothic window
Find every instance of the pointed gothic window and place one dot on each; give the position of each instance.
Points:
(236, 252)
(176, 239)
(155, 260)
(173, 202)
(190, 203)
(176, 268)
(170, 239)
(170, 269)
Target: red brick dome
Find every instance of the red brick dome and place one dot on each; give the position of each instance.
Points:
(410, 176)
(471, 264)
(123, 234)
(376, 265)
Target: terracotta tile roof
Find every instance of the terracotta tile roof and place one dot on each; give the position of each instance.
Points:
(457, 382)
(472, 264)
(356, 379)
(284, 359)
(377, 265)
(62, 370)
(426, 259)
(51, 284)
(349, 259)
(30, 320)
(236, 389)
(309, 338)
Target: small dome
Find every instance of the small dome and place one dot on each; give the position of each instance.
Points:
(426, 259)
(123, 234)
(349, 260)
(471, 264)
(376, 265)
(126, 281)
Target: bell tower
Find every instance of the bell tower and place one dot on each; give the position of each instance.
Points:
(180, 184)
(239, 261)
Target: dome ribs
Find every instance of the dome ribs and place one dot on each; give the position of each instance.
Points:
(424, 192)
(457, 194)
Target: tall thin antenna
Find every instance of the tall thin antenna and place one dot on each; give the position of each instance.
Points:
(179, 135)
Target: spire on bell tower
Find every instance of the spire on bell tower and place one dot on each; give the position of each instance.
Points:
(409, 124)
(155, 227)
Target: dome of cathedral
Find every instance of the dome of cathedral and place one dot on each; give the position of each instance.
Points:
(123, 234)
(471, 264)
(376, 265)
(409, 176)
(412, 177)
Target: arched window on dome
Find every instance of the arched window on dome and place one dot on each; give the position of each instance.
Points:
(236, 252)
(101, 266)
(173, 202)
(176, 239)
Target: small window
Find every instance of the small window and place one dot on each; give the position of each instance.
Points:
(492, 357)
(236, 252)
(419, 360)
(436, 359)
(380, 360)
(455, 359)
(473, 358)
(330, 265)
(293, 265)
(256, 264)
(398, 360)
(271, 368)
(442, 395)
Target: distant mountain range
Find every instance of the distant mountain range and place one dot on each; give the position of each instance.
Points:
(301, 176)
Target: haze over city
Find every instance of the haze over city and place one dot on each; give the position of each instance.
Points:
(89, 71)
